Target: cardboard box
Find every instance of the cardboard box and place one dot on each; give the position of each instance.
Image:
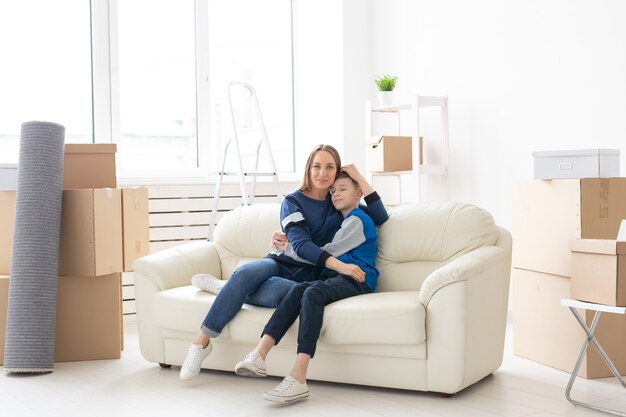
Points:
(7, 215)
(547, 215)
(390, 154)
(89, 165)
(88, 321)
(135, 225)
(585, 163)
(547, 332)
(89, 318)
(8, 176)
(91, 232)
(599, 271)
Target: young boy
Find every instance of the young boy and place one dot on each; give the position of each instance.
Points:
(356, 248)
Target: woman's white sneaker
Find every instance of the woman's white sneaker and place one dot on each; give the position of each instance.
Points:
(193, 361)
(253, 365)
(208, 283)
(287, 391)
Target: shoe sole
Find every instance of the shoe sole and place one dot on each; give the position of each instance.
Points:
(254, 372)
(277, 399)
(189, 378)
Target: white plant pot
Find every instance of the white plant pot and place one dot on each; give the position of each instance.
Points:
(385, 98)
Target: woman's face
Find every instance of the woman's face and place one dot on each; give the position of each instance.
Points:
(323, 170)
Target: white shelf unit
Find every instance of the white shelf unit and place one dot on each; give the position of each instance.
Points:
(413, 111)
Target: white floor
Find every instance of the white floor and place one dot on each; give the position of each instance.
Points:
(133, 387)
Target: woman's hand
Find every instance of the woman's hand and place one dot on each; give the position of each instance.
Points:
(350, 270)
(279, 240)
(356, 175)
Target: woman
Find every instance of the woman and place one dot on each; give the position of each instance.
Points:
(310, 221)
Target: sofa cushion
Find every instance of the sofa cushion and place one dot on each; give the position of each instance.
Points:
(378, 319)
(395, 318)
(439, 232)
(182, 309)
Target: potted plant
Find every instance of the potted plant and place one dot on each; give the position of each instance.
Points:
(385, 85)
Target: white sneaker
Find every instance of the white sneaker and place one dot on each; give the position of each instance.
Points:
(287, 391)
(195, 356)
(208, 283)
(252, 365)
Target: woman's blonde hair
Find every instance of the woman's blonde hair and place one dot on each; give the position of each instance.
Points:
(306, 184)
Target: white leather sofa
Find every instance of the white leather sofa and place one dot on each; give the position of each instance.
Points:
(436, 322)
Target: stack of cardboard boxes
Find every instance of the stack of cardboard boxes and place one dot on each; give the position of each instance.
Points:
(103, 230)
(547, 217)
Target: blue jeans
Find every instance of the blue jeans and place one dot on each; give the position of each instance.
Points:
(263, 282)
(308, 300)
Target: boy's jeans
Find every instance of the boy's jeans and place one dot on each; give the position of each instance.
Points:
(308, 300)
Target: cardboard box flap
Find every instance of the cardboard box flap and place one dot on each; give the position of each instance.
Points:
(375, 140)
(601, 246)
(90, 148)
(575, 152)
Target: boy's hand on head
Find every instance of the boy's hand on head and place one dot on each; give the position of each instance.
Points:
(353, 171)
(356, 175)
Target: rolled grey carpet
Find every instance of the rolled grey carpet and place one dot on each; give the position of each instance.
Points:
(31, 316)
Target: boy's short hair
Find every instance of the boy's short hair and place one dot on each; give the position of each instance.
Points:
(344, 174)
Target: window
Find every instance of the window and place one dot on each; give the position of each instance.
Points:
(175, 60)
(157, 86)
(253, 45)
(46, 70)
(159, 69)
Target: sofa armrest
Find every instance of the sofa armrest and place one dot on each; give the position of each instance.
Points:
(174, 267)
(466, 310)
(464, 268)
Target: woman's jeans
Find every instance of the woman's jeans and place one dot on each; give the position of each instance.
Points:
(263, 282)
(308, 300)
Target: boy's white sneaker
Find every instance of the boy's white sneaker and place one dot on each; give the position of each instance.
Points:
(253, 365)
(287, 391)
(208, 283)
(195, 356)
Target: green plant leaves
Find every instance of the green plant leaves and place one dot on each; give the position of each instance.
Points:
(386, 82)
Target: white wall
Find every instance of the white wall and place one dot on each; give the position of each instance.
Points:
(357, 70)
(521, 76)
(333, 66)
(318, 62)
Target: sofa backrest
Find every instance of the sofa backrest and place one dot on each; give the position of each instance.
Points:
(245, 234)
(420, 238)
(416, 240)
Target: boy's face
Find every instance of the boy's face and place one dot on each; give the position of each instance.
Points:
(345, 194)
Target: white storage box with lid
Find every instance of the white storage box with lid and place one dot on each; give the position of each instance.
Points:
(583, 163)
(8, 176)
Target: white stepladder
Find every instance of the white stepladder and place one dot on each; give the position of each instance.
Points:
(247, 199)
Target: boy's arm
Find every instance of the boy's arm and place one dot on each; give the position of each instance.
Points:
(343, 268)
(375, 208)
(348, 237)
